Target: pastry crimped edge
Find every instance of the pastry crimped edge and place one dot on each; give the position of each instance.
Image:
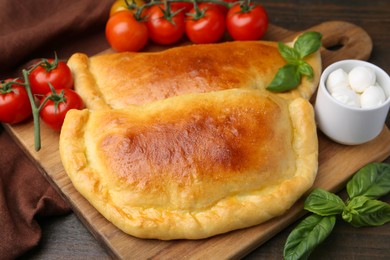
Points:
(82, 76)
(258, 207)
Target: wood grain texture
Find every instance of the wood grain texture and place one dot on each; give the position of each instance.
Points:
(332, 175)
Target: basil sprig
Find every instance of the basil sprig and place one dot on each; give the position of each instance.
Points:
(360, 209)
(289, 76)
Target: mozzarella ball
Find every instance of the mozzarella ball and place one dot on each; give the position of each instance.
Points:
(346, 96)
(373, 96)
(337, 78)
(361, 78)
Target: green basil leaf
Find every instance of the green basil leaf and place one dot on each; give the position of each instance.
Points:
(362, 211)
(289, 54)
(372, 181)
(311, 232)
(324, 203)
(308, 43)
(305, 69)
(287, 77)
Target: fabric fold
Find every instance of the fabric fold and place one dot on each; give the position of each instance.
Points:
(30, 25)
(25, 195)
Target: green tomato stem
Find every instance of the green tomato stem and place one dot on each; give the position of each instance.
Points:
(6, 87)
(34, 67)
(198, 13)
(139, 9)
(35, 112)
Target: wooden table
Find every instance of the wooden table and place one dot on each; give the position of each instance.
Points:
(65, 237)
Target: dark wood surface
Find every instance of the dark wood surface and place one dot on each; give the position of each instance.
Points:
(65, 237)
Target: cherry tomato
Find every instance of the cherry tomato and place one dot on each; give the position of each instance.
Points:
(120, 5)
(209, 27)
(164, 28)
(52, 71)
(246, 25)
(53, 112)
(15, 105)
(125, 33)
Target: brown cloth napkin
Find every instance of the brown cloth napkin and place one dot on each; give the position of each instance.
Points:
(30, 26)
(24, 195)
(32, 29)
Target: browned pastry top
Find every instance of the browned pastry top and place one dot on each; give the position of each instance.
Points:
(121, 79)
(194, 165)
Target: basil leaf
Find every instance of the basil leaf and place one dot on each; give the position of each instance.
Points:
(311, 232)
(324, 203)
(308, 43)
(289, 54)
(372, 181)
(305, 69)
(362, 211)
(287, 77)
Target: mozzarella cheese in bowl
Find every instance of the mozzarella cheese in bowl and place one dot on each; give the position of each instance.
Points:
(356, 88)
(337, 79)
(360, 78)
(346, 96)
(372, 96)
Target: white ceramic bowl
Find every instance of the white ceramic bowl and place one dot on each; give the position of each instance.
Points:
(345, 124)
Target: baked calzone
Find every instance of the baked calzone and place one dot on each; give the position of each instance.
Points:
(117, 80)
(195, 165)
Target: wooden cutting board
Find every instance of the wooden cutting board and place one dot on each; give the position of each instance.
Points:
(336, 165)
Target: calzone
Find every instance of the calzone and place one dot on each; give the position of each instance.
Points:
(117, 80)
(195, 165)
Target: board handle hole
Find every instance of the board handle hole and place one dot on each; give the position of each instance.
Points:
(335, 47)
(336, 43)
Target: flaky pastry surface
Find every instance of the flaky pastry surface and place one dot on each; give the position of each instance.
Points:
(121, 79)
(194, 165)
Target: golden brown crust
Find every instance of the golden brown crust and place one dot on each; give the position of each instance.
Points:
(194, 165)
(85, 83)
(121, 79)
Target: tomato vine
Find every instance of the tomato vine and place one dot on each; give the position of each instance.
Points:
(58, 94)
(165, 19)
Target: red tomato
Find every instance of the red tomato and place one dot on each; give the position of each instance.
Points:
(164, 28)
(246, 25)
(125, 33)
(15, 105)
(53, 112)
(58, 75)
(208, 28)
